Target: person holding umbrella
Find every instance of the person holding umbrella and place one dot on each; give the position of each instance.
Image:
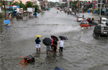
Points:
(38, 44)
(55, 46)
(47, 42)
(54, 43)
(61, 45)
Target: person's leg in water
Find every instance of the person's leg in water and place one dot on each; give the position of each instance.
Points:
(36, 49)
(39, 49)
(61, 49)
(48, 52)
(54, 49)
(48, 49)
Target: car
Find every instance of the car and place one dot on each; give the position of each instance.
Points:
(84, 20)
(79, 19)
(106, 22)
(103, 20)
(100, 30)
(84, 24)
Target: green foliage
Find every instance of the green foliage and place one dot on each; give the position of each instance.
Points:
(1, 15)
(39, 11)
(22, 5)
(63, 5)
(29, 4)
(73, 3)
(52, 4)
(36, 8)
(86, 9)
(15, 3)
(43, 8)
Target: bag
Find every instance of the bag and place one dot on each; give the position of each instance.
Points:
(29, 59)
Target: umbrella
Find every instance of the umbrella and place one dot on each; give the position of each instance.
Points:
(47, 41)
(37, 35)
(56, 68)
(6, 21)
(63, 37)
(47, 8)
(55, 37)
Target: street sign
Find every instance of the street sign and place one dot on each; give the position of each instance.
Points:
(104, 9)
(30, 9)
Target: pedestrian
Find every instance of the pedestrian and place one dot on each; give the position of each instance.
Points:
(10, 16)
(35, 14)
(83, 16)
(52, 42)
(38, 44)
(61, 45)
(57, 12)
(55, 46)
(48, 49)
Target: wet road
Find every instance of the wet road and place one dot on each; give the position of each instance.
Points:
(81, 51)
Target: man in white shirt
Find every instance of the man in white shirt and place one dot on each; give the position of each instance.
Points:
(61, 45)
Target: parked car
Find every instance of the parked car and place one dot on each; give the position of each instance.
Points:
(79, 18)
(103, 20)
(100, 30)
(107, 23)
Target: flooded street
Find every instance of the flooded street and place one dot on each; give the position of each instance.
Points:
(81, 50)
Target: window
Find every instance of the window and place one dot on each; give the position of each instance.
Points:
(105, 28)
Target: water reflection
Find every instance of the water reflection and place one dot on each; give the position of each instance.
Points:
(6, 27)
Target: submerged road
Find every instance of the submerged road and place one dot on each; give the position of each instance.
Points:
(81, 51)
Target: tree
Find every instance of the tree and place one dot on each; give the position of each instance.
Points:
(52, 4)
(36, 8)
(22, 5)
(63, 5)
(29, 4)
(16, 3)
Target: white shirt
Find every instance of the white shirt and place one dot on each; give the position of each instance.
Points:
(61, 43)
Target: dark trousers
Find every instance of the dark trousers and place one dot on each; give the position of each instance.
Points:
(61, 49)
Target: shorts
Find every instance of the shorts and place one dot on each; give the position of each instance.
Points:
(38, 46)
(48, 48)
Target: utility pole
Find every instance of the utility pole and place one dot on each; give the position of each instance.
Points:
(4, 3)
(79, 6)
(68, 3)
(100, 7)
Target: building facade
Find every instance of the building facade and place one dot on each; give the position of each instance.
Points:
(101, 2)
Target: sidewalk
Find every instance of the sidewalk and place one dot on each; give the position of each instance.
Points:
(101, 15)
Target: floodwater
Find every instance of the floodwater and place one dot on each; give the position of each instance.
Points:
(81, 51)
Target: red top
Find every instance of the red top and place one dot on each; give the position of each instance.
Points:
(52, 41)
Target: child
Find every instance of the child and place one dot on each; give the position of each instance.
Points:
(61, 45)
(38, 44)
